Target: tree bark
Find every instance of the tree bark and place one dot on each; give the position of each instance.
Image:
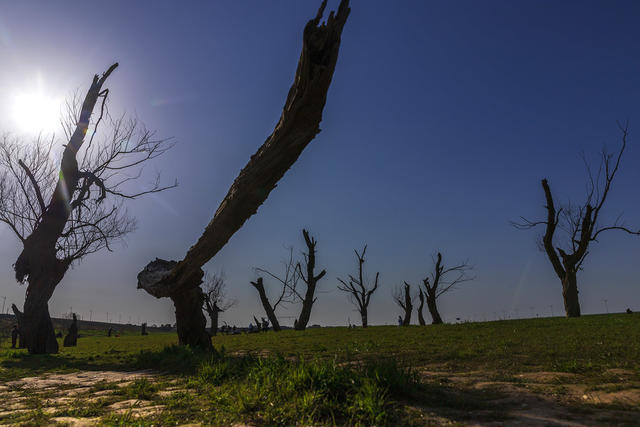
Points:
(420, 307)
(433, 309)
(190, 320)
(363, 315)
(570, 295)
(271, 315)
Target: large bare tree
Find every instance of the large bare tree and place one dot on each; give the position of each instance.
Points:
(215, 299)
(62, 209)
(442, 280)
(402, 296)
(297, 127)
(358, 289)
(580, 224)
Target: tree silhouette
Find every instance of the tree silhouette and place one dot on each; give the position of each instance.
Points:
(580, 224)
(61, 213)
(359, 291)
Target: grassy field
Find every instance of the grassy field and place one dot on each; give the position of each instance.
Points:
(554, 369)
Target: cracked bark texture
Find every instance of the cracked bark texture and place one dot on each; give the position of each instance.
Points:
(298, 125)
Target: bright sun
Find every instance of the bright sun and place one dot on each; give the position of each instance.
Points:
(36, 112)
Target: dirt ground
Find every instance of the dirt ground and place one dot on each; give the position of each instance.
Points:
(539, 398)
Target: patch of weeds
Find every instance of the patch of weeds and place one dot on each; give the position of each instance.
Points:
(83, 409)
(104, 385)
(141, 389)
(574, 366)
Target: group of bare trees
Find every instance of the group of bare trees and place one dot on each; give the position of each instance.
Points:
(289, 285)
(440, 281)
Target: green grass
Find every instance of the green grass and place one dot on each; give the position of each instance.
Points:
(337, 375)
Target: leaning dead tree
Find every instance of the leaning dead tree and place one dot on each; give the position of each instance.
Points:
(579, 224)
(310, 279)
(420, 307)
(215, 299)
(288, 283)
(359, 291)
(402, 297)
(298, 125)
(443, 280)
(63, 210)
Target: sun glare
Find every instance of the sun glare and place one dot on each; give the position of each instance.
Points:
(36, 112)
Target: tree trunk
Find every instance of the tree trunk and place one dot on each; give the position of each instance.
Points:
(188, 300)
(271, 315)
(363, 314)
(408, 306)
(433, 309)
(570, 294)
(37, 328)
(420, 307)
(213, 315)
(190, 320)
(305, 313)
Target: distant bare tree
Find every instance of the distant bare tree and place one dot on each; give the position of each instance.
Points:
(297, 127)
(420, 316)
(59, 208)
(580, 225)
(215, 298)
(402, 297)
(443, 280)
(359, 291)
(310, 279)
(288, 284)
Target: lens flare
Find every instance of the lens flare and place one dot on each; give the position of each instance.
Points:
(36, 112)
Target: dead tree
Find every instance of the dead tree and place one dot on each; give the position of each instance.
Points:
(71, 339)
(21, 341)
(580, 225)
(359, 291)
(420, 307)
(297, 127)
(63, 212)
(443, 280)
(310, 279)
(402, 297)
(143, 329)
(215, 299)
(288, 284)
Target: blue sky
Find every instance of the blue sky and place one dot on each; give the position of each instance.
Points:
(440, 122)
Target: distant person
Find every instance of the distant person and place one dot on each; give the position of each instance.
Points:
(629, 311)
(14, 336)
(399, 320)
(110, 331)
